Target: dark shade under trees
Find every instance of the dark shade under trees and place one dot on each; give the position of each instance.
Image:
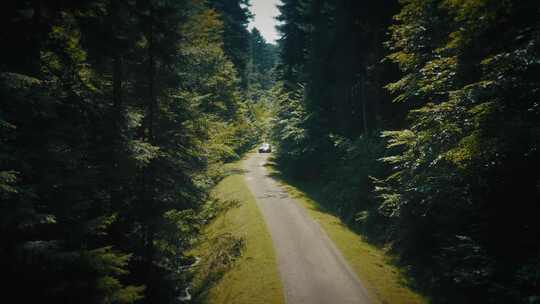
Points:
(115, 118)
(419, 122)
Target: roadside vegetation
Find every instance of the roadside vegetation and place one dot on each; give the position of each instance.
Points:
(418, 124)
(374, 266)
(116, 118)
(238, 263)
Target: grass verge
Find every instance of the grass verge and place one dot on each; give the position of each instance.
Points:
(252, 278)
(383, 280)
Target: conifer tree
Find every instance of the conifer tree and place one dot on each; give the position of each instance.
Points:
(106, 151)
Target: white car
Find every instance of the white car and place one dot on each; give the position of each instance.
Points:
(265, 148)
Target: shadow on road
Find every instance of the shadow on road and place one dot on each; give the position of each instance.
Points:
(305, 189)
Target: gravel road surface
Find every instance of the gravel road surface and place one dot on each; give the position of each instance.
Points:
(312, 269)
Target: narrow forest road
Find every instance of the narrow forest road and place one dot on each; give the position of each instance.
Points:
(312, 269)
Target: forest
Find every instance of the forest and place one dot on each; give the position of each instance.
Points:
(115, 120)
(417, 122)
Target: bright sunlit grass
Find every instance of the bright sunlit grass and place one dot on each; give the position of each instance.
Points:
(254, 278)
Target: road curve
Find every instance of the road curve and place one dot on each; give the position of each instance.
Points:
(312, 269)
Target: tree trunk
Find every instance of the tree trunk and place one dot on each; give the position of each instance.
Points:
(363, 99)
(148, 172)
(117, 82)
(35, 64)
(152, 100)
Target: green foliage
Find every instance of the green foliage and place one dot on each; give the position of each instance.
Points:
(261, 66)
(235, 16)
(452, 179)
(289, 130)
(237, 259)
(293, 40)
(108, 144)
(454, 194)
(7, 180)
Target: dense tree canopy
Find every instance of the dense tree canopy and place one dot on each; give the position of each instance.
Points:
(470, 149)
(418, 121)
(263, 60)
(455, 191)
(235, 17)
(107, 152)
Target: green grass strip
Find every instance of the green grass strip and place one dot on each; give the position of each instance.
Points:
(254, 277)
(384, 281)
